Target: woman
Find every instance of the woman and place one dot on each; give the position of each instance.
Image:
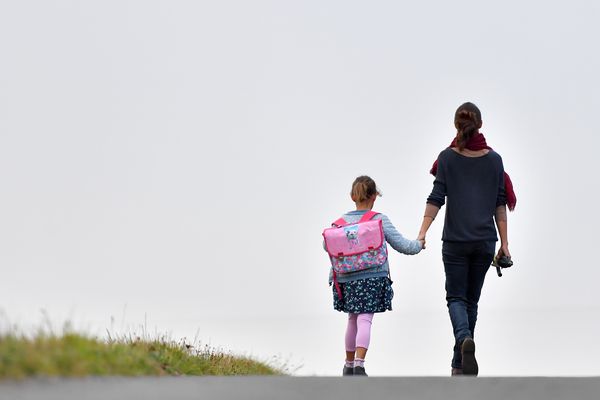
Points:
(470, 180)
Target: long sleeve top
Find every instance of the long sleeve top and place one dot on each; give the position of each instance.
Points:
(392, 236)
(472, 188)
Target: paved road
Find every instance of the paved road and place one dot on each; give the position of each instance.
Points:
(292, 388)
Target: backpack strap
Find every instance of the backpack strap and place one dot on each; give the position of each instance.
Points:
(337, 286)
(339, 222)
(368, 216)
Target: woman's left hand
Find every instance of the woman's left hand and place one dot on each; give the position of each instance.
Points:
(503, 251)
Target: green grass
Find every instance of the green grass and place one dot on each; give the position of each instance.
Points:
(77, 355)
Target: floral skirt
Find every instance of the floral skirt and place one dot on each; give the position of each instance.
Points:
(370, 295)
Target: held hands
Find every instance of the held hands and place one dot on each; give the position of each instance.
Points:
(421, 238)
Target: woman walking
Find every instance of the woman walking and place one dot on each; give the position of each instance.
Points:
(470, 180)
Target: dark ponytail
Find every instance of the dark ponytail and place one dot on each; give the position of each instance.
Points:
(467, 121)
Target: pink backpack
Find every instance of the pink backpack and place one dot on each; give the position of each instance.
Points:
(355, 247)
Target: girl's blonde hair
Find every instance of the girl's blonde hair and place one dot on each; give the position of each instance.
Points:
(363, 189)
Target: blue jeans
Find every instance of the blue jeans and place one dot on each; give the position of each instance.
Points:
(466, 264)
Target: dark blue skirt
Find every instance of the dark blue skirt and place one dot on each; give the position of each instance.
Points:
(370, 295)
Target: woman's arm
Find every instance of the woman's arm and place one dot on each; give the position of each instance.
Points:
(501, 216)
(435, 201)
(502, 224)
(431, 212)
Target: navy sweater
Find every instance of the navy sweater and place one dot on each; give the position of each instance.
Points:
(471, 188)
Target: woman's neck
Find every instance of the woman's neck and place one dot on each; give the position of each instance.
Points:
(470, 153)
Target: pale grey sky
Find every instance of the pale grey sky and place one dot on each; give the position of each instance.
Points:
(179, 160)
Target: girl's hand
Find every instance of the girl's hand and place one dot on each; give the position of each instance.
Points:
(422, 240)
(503, 251)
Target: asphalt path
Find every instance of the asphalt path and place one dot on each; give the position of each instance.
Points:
(292, 388)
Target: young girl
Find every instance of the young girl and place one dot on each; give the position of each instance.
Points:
(366, 292)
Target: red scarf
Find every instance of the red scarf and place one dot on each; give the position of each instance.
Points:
(476, 143)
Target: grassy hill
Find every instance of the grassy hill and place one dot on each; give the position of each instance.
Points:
(77, 355)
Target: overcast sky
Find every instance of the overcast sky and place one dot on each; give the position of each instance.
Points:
(175, 162)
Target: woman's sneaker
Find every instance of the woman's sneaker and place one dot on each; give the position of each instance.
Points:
(469, 363)
(348, 371)
(360, 371)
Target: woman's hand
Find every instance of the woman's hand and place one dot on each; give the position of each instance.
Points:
(503, 251)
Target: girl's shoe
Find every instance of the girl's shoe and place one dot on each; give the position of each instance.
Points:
(469, 363)
(348, 371)
(360, 371)
(457, 371)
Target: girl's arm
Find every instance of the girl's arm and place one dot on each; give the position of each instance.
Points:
(397, 241)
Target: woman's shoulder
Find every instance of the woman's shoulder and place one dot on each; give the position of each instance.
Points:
(446, 152)
(494, 155)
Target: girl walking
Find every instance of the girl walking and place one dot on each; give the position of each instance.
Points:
(363, 293)
(470, 180)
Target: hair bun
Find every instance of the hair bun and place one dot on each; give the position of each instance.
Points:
(467, 120)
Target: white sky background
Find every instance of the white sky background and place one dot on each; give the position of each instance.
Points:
(179, 160)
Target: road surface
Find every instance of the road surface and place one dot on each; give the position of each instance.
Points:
(302, 388)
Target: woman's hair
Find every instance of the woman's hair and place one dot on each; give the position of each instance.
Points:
(467, 120)
(363, 189)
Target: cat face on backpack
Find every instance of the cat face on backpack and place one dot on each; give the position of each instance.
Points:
(352, 234)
